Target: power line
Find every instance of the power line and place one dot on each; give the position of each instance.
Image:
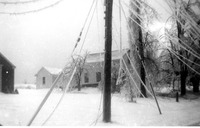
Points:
(88, 28)
(79, 38)
(176, 37)
(144, 68)
(136, 51)
(179, 45)
(185, 63)
(32, 11)
(127, 69)
(75, 67)
(18, 2)
(171, 38)
(182, 59)
(53, 86)
(60, 100)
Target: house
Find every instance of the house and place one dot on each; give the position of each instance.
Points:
(94, 67)
(6, 75)
(46, 76)
(91, 76)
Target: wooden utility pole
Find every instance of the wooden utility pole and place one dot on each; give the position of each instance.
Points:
(107, 64)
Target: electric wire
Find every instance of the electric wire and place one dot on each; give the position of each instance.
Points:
(176, 38)
(135, 71)
(191, 21)
(73, 73)
(18, 2)
(51, 89)
(60, 100)
(178, 44)
(124, 62)
(183, 61)
(33, 11)
(148, 31)
(101, 97)
(144, 68)
(137, 53)
(178, 54)
(88, 28)
(79, 38)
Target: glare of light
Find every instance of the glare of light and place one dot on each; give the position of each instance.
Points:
(156, 26)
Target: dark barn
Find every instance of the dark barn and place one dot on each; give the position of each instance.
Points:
(6, 75)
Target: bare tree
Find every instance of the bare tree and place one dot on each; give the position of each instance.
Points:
(79, 61)
(142, 41)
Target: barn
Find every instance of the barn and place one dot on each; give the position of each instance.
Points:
(6, 75)
(46, 76)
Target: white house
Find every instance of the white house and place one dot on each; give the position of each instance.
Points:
(94, 67)
(46, 76)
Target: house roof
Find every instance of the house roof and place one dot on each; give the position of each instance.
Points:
(99, 57)
(53, 71)
(1, 55)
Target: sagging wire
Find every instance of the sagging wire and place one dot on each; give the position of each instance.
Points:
(183, 26)
(173, 38)
(32, 11)
(183, 61)
(148, 31)
(18, 2)
(136, 48)
(143, 66)
(179, 44)
(55, 82)
(135, 71)
(79, 38)
(191, 21)
(60, 100)
(88, 27)
(145, 71)
(124, 62)
(101, 97)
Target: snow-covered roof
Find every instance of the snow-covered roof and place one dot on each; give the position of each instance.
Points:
(53, 71)
(99, 57)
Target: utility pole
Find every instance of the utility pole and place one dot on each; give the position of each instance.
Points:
(107, 64)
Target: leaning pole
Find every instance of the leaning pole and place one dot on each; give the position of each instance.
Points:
(107, 60)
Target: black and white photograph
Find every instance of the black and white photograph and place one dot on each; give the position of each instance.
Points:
(100, 63)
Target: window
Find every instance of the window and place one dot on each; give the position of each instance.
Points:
(43, 80)
(86, 78)
(98, 76)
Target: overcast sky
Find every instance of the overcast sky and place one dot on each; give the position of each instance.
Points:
(46, 38)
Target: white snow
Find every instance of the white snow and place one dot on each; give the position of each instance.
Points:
(82, 109)
(25, 86)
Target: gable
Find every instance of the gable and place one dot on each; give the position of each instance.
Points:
(4, 61)
(51, 71)
(99, 57)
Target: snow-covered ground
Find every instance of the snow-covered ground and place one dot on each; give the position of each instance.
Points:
(82, 109)
(25, 86)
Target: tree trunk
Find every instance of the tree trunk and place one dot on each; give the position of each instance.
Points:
(173, 82)
(142, 75)
(183, 68)
(195, 83)
(142, 70)
(183, 81)
(141, 54)
(79, 85)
